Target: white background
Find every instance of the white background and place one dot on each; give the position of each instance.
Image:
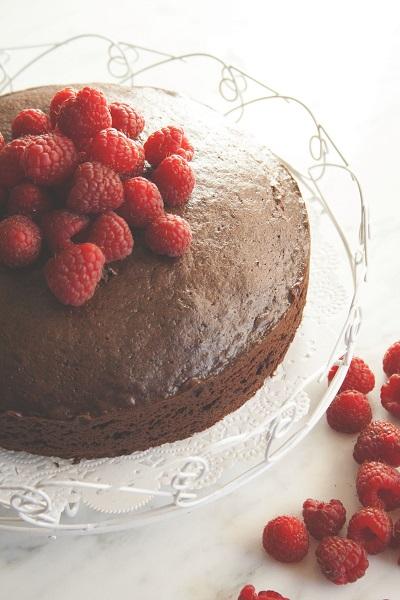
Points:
(343, 59)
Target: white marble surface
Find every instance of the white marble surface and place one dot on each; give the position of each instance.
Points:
(344, 60)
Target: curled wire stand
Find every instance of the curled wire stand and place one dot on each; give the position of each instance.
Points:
(53, 496)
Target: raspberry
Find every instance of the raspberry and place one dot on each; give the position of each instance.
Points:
(11, 171)
(49, 159)
(112, 235)
(73, 274)
(170, 235)
(2, 141)
(57, 102)
(323, 518)
(143, 202)
(390, 395)
(372, 528)
(20, 241)
(378, 486)
(126, 119)
(95, 189)
(380, 440)
(186, 150)
(391, 360)
(139, 168)
(286, 539)
(249, 593)
(359, 377)
(341, 560)
(163, 143)
(60, 226)
(349, 412)
(114, 149)
(29, 200)
(81, 117)
(30, 121)
(175, 180)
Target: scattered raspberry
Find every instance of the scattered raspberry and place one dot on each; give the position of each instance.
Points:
(58, 101)
(73, 274)
(20, 241)
(163, 143)
(30, 121)
(11, 171)
(80, 118)
(349, 412)
(114, 149)
(390, 395)
(323, 518)
(359, 377)
(395, 542)
(169, 235)
(341, 560)
(372, 528)
(112, 235)
(60, 226)
(126, 119)
(249, 593)
(2, 141)
(378, 486)
(28, 199)
(175, 180)
(391, 360)
(49, 159)
(286, 539)
(380, 440)
(143, 202)
(95, 189)
(186, 150)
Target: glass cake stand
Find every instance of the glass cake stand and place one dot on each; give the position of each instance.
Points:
(53, 496)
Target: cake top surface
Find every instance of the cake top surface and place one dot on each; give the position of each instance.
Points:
(158, 323)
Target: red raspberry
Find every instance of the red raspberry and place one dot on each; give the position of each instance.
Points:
(143, 202)
(186, 150)
(20, 241)
(359, 377)
(80, 118)
(126, 119)
(73, 274)
(114, 149)
(380, 440)
(29, 200)
(139, 169)
(378, 486)
(30, 121)
(11, 171)
(286, 539)
(112, 235)
(95, 189)
(175, 180)
(390, 395)
(323, 518)
(391, 360)
(341, 560)
(372, 528)
(170, 235)
(49, 159)
(57, 102)
(249, 593)
(60, 226)
(349, 412)
(163, 143)
(2, 141)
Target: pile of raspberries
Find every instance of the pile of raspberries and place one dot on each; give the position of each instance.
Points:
(75, 182)
(377, 450)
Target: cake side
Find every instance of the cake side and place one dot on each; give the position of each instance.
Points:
(166, 347)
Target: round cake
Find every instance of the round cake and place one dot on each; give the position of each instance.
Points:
(166, 347)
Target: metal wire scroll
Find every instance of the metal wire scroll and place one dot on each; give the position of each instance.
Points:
(31, 506)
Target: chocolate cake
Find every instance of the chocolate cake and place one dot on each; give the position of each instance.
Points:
(166, 347)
